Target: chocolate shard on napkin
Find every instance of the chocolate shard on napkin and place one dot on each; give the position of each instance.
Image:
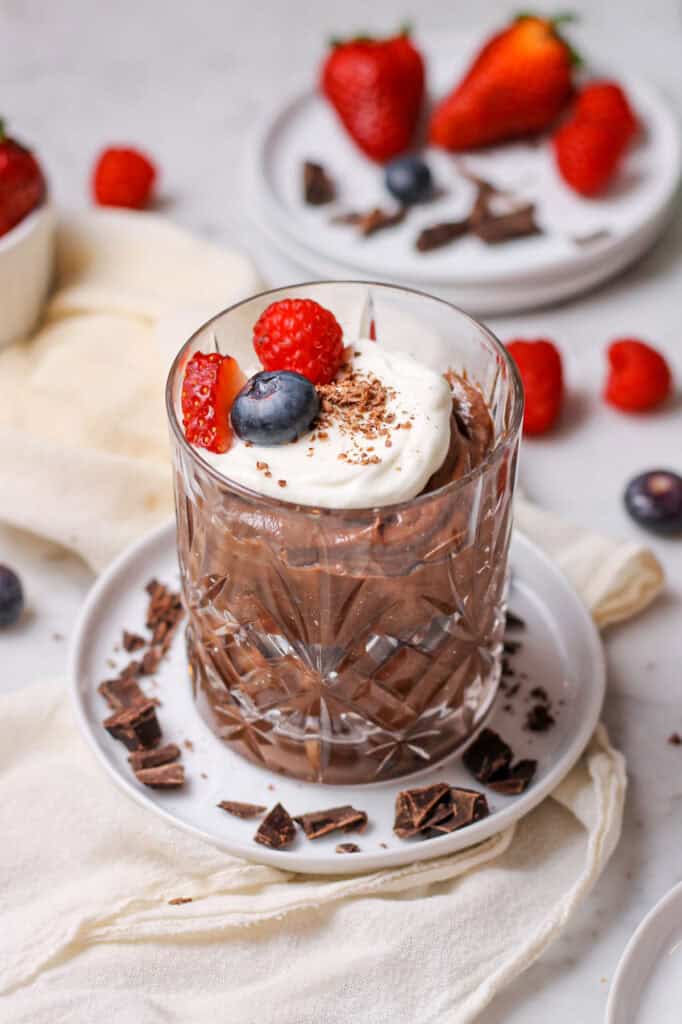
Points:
(488, 756)
(318, 187)
(153, 758)
(277, 829)
(242, 810)
(321, 823)
(516, 780)
(164, 776)
(122, 693)
(136, 726)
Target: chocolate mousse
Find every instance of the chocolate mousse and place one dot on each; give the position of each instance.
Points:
(355, 645)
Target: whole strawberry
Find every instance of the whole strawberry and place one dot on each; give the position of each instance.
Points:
(518, 85)
(639, 378)
(22, 185)
(123, 177)
(376, 87)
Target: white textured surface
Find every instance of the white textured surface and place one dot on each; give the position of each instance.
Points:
(186, 82)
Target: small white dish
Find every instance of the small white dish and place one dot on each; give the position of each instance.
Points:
(561, 651)
(26, 267)
(647, 987)
(484, 279)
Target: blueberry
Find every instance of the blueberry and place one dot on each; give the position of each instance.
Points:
(409, 179)
(275, 407)
(11, 596)
(654, 500)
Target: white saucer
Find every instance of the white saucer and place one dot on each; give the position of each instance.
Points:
(647, 987)
(561, 652)
(485, 279)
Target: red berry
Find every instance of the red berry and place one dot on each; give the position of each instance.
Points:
(123, 177)
(299, 335)
(589, 148)
(588, 154)
(211, 384)
(639, 378)
(22, 186)
(539, 364)
(376, 87)
(607, 103)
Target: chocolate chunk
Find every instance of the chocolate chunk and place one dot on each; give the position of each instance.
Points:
(517, 780)
(241, 810)
(132, 641)
(135, 727)
(378, 219)
(277, 829)
(512, 646)
(153, 758)
(164, 776)
(466, 807)
(488, 756)
(347, 848)
(514, 621)
(320, 823)
(151, 660)
(178, 901)
(539, 718)
(437, 235)
(506, 227)
(122, 693)
(507, 669)
(675, 739)
(416, 809)
(318, 187)
(540, 693)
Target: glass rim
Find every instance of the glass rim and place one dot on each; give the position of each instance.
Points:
(492, 457)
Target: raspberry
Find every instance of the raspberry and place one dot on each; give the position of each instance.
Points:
(539, 364)
(639, 378)
(299, 335)
(209, 388)
(123, 177)
(607, 103)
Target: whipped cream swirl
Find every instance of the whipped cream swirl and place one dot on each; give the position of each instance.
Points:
(336, 465)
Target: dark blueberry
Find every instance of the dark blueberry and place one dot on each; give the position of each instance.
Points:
(275, 407)
(11, 596)
(654, 500)
(409, 179)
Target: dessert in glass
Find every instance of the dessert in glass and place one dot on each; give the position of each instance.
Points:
(345, 582)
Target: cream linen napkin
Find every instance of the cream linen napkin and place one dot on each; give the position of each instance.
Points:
(86, 874)
(83, 436)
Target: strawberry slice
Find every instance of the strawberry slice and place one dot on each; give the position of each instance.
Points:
(211, 384)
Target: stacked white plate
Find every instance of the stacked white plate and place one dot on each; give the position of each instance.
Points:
(583, 241)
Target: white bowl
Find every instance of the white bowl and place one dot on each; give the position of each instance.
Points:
(26, 264)
(647, 987)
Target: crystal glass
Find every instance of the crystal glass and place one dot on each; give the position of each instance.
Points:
(348, 646)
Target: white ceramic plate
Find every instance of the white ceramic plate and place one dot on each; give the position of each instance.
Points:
(647, 987)
(527, 271)
(561, 651)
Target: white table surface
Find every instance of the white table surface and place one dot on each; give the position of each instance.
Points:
(186, 81)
